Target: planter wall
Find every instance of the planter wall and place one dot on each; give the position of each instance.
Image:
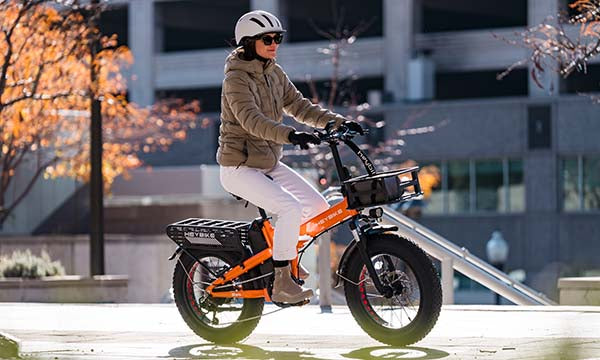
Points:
(579, 291)
(143, 259)
(65, 289)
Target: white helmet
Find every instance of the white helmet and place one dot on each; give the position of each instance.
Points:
(256, 22)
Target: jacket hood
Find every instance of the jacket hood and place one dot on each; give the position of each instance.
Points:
(234, 62)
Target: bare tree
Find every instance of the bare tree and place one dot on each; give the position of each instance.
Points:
(553, 47)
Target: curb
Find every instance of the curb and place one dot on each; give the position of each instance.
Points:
(9, 346)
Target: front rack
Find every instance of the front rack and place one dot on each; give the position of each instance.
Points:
(382, 188)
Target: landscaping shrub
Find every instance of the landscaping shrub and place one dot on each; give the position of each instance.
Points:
(24, 264)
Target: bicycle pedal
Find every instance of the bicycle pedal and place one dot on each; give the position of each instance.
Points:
(286, 305)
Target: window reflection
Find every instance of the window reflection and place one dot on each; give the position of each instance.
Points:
(591, 183)
(430, 178)
(581, 183)
(516, 186)
(570, 184)
(458, 186)
(489, 186)
(448, 186)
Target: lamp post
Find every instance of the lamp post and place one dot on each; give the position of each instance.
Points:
(96, 184)
(497, 253)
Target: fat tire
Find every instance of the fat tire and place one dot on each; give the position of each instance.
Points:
(227, 335)
(429, 285)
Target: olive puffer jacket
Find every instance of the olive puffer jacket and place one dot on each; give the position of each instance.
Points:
(254, 97)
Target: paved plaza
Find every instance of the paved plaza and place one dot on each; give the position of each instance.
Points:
(126, 331)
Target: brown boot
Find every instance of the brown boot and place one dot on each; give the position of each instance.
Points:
(285, 290)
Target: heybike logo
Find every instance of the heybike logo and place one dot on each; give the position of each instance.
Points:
(199, 234)
(204, 238)
(366, 161)
(329, 217)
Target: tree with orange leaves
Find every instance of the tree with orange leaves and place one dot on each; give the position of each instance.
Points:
(45, 87)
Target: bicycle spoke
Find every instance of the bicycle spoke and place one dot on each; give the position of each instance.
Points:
(394, 272)
(222, 309)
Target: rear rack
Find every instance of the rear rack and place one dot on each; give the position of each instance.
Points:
(209, 233)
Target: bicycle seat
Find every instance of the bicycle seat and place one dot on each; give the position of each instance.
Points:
(261, 211)
(237, 197)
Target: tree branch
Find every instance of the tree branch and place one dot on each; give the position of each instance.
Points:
(5, 212)
(36, 97)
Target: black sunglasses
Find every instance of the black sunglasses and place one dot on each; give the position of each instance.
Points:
(268, 40)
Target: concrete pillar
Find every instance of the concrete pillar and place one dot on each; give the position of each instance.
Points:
(141, 42)
(324, 268)
(537, 12)
(447, 281)
(398, 32)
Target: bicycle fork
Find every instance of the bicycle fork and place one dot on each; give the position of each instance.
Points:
(361, 242)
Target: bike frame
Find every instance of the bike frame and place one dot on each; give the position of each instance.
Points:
(314, 227)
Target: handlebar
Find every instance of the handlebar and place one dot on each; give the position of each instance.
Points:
(329, 134)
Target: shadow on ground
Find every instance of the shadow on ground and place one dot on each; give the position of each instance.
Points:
(239, 351)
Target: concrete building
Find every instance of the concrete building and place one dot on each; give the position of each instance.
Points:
(512, 156)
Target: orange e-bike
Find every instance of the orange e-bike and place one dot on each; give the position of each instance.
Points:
(224, 269)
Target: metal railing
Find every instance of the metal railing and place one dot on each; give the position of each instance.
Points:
(459, 258)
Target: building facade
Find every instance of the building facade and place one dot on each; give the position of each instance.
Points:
(512, 156)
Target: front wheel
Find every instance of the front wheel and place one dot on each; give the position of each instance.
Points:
(412, 310)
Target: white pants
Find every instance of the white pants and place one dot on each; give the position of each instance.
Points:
(288, 196)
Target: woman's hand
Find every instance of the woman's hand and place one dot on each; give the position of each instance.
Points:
(353, 126)
(302, 139)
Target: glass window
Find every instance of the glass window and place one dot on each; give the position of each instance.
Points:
(588, 81)
(114, 20)
(591, 183)
(479, 84)
(463, 186)
(430, 178)
(489, 185)
(210, 98)
(458, 186)
(350, 91)
(306, 18)
(581, 183)
(198, 24)
(570, 171)
(442, 15)
(516, 186)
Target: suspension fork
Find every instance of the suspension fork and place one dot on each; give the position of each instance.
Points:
(361, 242)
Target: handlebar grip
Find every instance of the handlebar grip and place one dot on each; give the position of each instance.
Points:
(330, 125)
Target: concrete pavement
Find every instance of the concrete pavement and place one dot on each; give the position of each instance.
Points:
(126, 331)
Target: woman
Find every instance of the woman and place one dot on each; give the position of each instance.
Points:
(256, 92)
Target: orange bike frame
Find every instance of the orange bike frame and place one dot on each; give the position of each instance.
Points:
(313, 227)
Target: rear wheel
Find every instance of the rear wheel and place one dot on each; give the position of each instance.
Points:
(412, 310)
(218, 320)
